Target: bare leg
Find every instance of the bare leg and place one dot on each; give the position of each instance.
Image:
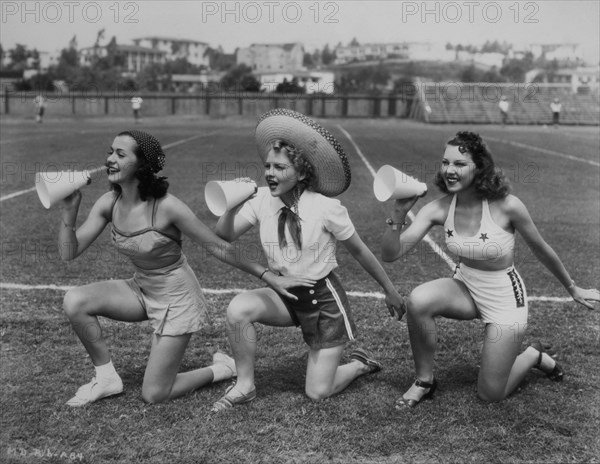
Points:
(264, 306)
(441, 297)
(112, 299)
(502, 369)
(325, 377)
(162, 381)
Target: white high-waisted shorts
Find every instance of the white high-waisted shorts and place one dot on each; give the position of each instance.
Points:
(500, 296)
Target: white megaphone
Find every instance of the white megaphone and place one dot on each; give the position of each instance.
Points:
(54, 186)
(390, 183)
(221, 196)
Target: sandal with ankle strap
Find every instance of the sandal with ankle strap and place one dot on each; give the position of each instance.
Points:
(413, 396)
(555, 374)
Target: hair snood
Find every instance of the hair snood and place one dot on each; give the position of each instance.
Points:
(152, 159)
(150, 148)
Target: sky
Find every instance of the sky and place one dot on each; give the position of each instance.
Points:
(50, 25)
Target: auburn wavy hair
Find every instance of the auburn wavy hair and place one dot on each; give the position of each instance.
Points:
(490, 182)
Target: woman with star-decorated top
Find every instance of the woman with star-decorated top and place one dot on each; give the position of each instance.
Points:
(480, 218)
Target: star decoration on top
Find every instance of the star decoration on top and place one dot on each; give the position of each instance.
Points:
(483, 237)
(450, 233)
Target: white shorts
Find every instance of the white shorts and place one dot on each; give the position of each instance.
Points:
(500, 296)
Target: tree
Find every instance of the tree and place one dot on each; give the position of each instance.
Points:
(327, 57)
(68, 64)
(469, 74)
(515, 69)
(18, 57)
(218, 60)
(153, 77)
(307, 61)
(240, 77)
(290, 87)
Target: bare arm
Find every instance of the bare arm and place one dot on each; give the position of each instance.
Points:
(182, 217)
(231, 225)
(73, 241)
(369, 263)
(522, 222)
(396, 243)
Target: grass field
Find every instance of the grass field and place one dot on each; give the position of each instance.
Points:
(554, 171)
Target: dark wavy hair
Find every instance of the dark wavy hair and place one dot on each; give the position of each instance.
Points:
(490, 182)
(150, 185)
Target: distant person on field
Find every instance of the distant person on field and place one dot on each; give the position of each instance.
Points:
(136, 105)
(556, 108)
(147, 226)
(40, 105)
(300, 225)
(504, 107)
(480, 219)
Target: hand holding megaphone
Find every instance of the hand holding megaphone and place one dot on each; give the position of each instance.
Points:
(390, 183)
(54, 186)
(222, 196)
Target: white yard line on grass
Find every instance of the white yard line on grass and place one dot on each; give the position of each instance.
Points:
(16, 194)
(542, 150)
(434, 246)
(166, 147)
(227, 291)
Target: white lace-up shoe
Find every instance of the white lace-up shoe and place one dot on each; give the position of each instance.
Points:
(95, 390)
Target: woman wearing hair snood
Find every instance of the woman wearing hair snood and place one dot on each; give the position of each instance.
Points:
(480, 219)
(300, 225)
(147, 227)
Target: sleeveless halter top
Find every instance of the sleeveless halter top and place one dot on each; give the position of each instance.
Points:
(490, 242)
(149, 248)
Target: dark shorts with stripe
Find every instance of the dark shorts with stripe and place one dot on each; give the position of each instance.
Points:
(323, 313)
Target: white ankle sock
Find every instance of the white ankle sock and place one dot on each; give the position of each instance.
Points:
(220, 372)
(106, 372)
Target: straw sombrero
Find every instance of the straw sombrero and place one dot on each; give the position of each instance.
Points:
(321, 149)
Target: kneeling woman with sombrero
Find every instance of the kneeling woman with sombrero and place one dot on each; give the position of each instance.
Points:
(300, 225)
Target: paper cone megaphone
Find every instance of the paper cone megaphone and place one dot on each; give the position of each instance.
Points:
(393, 184)
(221, 196)
(54, 186)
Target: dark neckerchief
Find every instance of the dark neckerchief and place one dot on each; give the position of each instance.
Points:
(289, 217)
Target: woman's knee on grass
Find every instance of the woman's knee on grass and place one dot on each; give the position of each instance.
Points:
(154, 394)
(490, 394)
(318, 392)
(491, 388)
